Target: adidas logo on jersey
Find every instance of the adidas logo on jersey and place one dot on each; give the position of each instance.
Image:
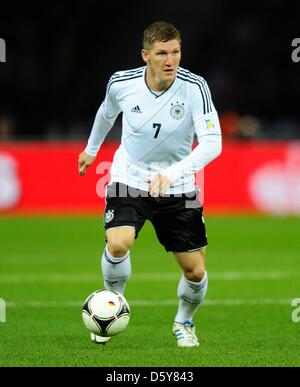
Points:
(136, 109)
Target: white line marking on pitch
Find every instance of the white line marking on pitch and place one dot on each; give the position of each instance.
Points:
(145, 277)
(208, 302)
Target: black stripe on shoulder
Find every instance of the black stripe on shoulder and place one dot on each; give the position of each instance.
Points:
(124, 74)
(191, 75)
(133, 70)
(120, 74)
(199, 80)
(204, 97)
(188, 72)
(202, 82)
(122, 79)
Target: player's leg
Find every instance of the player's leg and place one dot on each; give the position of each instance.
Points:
(115, 263)
(122, 222)
(192, 287)
(191, 291)
(181, 229)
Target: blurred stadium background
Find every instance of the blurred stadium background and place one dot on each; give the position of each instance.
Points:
(59, 56)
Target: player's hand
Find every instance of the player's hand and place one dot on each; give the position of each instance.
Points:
(158, 185)
(84, 161)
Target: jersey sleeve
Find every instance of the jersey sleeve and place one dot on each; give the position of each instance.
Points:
(104, 120)
(205, 117)
(208, 131)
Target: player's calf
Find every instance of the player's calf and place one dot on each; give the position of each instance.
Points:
(116, 271)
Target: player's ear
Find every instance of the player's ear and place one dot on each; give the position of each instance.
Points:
(145, 55)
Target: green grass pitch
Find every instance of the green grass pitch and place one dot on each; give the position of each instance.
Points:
(49, 265)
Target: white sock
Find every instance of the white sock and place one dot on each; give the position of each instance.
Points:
(190, 294)
(116, 271)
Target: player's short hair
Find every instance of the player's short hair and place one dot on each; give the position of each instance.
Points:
(159, 31)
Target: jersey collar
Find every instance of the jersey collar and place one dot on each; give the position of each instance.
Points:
(151, 91)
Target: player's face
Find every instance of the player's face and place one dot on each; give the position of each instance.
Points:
(162, 61)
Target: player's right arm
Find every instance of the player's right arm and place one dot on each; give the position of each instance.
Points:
(104, 120)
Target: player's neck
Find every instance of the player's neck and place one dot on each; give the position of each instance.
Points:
(155, 84)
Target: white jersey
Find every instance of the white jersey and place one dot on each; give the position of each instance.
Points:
(158, 129)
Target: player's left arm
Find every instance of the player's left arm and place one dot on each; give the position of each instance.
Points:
(208, 131)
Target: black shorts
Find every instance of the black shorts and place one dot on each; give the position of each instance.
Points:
(177, 219)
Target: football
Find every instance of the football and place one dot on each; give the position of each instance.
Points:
(106, 312)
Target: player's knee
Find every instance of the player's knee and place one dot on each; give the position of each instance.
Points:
(196, 274)
(118, 248)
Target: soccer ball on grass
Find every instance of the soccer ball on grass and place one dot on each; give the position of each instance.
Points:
(106, 313)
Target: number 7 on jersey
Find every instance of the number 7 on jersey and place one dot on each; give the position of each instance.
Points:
(158, 126)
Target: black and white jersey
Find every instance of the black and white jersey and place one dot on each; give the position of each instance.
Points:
(158, 129)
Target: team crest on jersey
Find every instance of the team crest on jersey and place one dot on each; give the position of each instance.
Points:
(177, 111)
(109, 216)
